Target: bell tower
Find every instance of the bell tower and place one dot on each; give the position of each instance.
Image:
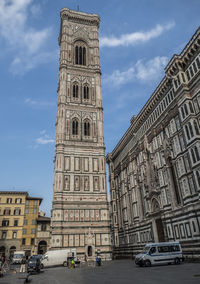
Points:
(80, 213)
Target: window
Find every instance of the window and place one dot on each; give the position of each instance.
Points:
(4, 233)
(15, 223)
(198, 62)
(35, 202)
(32, 241)
(191, 129)
(191, 107)
(193, 156)
(86, 93)
(14, 235)
(164, 249)
(34, 211)
(152, 250)
(196, 153)
(43, 227)
(25, 222)
(80, 54)
(196, 128)
(18, 200)
(75, 127)
(86, 128)
(6, 212)
(5, 223)
(23, 241)
(186, 109)
(187, 132)
(33, 222)
(26, 210)
(32, 231)
(9, 200)
(24, 231)
(198, 177)
(75, 91)
(27, 202)
(17, 211)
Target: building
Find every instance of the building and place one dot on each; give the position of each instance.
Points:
(12, 210)
(80, 213)
(18, 216)
(154, 170)
(30, 225)
(43, 233)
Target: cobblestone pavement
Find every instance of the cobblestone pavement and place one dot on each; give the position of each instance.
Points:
(117, 272)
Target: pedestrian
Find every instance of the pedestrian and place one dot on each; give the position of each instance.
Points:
(23, 265)
(73, 263)
(98, 260)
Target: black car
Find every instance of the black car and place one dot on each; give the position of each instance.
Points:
(34, 264)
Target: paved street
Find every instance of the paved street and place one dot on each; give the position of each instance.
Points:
(119, 272)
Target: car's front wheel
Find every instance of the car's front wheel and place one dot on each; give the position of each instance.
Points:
(147, 263)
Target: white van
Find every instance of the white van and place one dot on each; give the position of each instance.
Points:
(57, 257)
(157, 253)
(18, 256)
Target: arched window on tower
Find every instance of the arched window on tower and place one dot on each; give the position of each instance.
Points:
(86, 92)
(80, 53)
(75, 127)
(75, 91)
(86, 128)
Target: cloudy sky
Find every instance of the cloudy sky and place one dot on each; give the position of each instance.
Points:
(137, 39)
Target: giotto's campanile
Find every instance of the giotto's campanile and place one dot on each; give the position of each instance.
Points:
(80, 213)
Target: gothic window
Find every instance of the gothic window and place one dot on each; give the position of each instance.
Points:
(75, 127)
(75, 91)
(186, 109)
(193, 156)
(191, 107)
(86, 92)
(196, 127)
(187, 132)
(87, 128)
(80, 53)
(182, 112)
(198, 177)
(191, 129)
(197, 153)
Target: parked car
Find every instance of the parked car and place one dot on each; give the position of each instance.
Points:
(18, 256)
(34, 263)
(160, 253)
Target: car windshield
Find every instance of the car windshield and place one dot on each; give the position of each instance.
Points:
(145, 250)
(18, 255)
(33, 259)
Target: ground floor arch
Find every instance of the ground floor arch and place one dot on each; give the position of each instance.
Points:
(42, 247)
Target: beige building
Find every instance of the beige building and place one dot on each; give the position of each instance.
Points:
(43, 234)
(30, 225)
(18, 222)
(12, 210)
(154, 170)
(80, 214)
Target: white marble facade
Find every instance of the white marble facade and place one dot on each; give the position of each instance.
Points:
(154, 170)
(80, 205)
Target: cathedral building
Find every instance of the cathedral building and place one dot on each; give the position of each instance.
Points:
(154, 170)
(80, 213)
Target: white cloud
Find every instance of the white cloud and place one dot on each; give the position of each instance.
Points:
(35, 103)
(144, 72)
(43, 140)
(26, 41)
(136, 37)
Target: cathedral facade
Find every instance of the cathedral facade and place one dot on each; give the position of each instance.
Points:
(154, 170)
(80, 213)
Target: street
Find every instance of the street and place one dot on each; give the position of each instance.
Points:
(118, 272)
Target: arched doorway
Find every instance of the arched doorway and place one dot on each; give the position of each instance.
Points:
(89, 251)
(2, 251)
(12, 250)
(42, 247)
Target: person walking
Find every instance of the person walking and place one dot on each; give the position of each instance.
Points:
(23, 265)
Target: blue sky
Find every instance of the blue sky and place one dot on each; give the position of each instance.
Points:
(137, 39)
